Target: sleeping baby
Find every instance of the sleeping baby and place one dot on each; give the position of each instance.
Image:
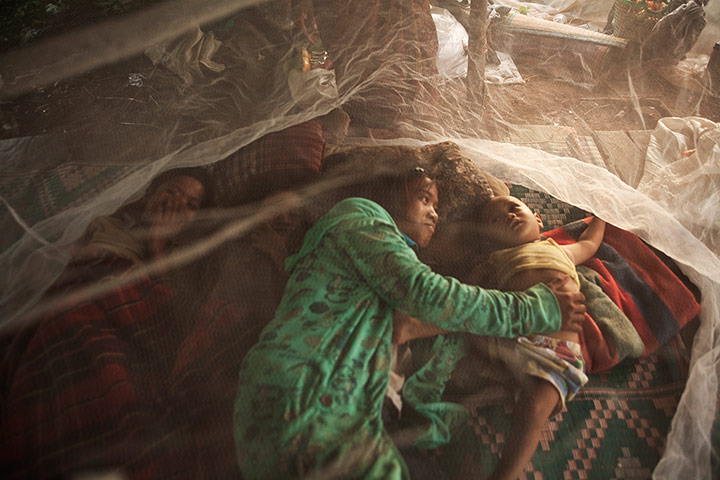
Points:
(550, 367)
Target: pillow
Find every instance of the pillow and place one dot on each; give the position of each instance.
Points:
(278, 160)
(461, 185)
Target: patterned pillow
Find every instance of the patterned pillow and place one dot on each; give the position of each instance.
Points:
(460, 183)
(278, 160)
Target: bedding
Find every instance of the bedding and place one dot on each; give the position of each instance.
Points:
(649, 297)
(277, 160)
(112, 384)
(626, 407)
(654, 299)
(144, 385)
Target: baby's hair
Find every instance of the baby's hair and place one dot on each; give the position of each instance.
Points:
(478, 212)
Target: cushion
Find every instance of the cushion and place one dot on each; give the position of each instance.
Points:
(278, 160)
(461, 184)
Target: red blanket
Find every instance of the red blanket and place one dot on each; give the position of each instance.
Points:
(656, 301)
(129, 381)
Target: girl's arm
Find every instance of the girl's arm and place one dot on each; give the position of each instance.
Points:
(378, 253)
(406, 328)
(588, 242)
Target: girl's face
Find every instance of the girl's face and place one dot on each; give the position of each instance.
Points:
(508, 222)
(421, 215)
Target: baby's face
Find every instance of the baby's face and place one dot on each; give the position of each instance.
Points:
(507, 222)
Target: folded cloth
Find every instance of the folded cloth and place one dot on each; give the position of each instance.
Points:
(614, 335)
(655, 301)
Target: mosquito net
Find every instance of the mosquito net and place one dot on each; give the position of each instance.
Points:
(100, 99)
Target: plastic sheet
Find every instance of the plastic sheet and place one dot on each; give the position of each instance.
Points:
(452, 44)
(389, 85)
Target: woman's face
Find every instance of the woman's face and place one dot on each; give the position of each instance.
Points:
(421, 215)
(176, 201)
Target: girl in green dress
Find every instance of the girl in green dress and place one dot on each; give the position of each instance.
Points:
(310, 393)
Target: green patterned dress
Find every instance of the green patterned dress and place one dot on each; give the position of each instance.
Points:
(310, 392)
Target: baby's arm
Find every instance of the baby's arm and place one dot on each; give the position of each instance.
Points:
(588, 242)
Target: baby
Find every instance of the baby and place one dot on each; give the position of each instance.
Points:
(551, 366)
(553, 363)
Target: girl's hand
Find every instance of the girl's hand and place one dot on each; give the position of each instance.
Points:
(572, 304)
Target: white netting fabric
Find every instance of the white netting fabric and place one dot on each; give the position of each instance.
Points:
(209, 95)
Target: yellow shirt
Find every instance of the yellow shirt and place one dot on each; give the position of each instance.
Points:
(544, 254)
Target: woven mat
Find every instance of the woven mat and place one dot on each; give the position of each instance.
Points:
(40, 195)
(554, 213)
(614, 428)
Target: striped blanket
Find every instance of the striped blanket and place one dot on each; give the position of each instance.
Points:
(132, 381)
(656, 302)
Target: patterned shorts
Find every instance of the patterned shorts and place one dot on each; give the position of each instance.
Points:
(559, 362)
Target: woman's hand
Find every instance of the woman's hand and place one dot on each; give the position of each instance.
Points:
(572, 304)
(166, 220)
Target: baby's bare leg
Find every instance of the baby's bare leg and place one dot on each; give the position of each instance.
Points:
(529, 416)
